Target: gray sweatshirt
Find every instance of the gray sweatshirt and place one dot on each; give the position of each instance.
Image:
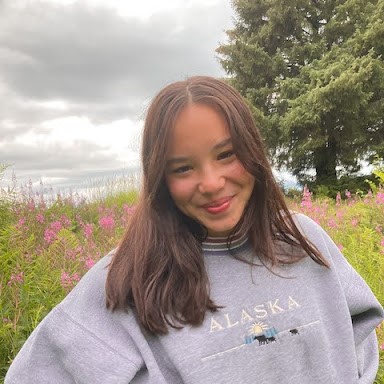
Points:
(307, 324)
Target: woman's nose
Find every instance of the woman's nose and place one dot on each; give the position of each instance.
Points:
(211, 181)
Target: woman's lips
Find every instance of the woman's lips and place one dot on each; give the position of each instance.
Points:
(218, 206)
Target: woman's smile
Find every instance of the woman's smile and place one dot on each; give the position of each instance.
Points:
(218, 206)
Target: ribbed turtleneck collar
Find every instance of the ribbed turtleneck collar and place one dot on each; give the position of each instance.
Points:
(219, 244)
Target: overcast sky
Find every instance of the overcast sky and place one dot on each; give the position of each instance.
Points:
(76, 78)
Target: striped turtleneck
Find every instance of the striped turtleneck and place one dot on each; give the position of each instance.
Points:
(219, 244)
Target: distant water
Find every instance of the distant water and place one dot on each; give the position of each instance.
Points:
(78, 190)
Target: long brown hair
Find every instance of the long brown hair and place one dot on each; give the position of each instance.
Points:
(158, 269)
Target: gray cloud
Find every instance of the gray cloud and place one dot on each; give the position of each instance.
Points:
(75, 165)
(92, 56)
(55, 157)
(99, 65)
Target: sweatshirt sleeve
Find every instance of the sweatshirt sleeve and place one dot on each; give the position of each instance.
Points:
(365, 310)
(367, 355)
(60, 350)
(366, 314)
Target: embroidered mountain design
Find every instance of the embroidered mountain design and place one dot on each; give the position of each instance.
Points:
(260, 332)
(263, 334)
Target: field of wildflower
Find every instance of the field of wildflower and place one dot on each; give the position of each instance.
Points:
(46, 245)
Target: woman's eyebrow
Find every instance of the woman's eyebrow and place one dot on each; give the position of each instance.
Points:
(176, 160)
(223, 143)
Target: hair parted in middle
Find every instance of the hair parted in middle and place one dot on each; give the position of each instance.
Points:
(158, 269)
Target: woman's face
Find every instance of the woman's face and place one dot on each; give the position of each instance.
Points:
(204, 177)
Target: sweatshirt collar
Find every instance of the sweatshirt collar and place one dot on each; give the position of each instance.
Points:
(219, 244)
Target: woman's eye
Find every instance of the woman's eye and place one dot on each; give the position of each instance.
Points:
(225, 155)
(183, 169)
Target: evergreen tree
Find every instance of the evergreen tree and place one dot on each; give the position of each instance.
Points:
(313, 73)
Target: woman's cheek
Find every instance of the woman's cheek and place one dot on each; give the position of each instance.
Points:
(239, 170)
(180, 189)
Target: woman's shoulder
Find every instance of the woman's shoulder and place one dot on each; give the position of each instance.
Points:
(86, 303)
(303, 221)
(81, 329)
(326, 246)
(312, 230)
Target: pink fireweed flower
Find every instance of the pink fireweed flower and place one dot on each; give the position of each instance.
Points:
(307, 198)
(338, 198)
(49, 236)
(380, 198)
(40, 218)
(73, 254)
(87, 230)
(382, 347)
(382, 245)
(369, 194)
(89, 263)
(348, 194)
(368, 197)
(20, 223)
(332, 223)
(56, 226)
(31, 205)
(67, 280)
(354, 222)
(65, 221)
(339, 214)
(16, 278)
(129, 209)
(107, 223)
(341, 247)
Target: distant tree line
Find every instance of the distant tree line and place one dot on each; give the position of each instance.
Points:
(313, 74)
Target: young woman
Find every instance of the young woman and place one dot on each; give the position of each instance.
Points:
(215, 281)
